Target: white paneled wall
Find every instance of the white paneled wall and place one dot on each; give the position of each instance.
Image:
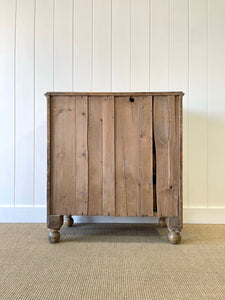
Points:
(111, 45)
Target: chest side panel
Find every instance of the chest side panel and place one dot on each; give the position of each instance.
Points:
(166, 137)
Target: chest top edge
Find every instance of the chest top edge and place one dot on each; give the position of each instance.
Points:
(49, 94)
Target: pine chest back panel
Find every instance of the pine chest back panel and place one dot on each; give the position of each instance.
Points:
(115, 154)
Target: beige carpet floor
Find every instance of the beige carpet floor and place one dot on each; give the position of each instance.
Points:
(112, 261)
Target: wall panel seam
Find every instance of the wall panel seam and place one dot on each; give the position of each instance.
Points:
(34, 109)
(111, 58)
(188, 104)
(131, 2)
(169, 47)
(150, 41)
(207, 121)
(15, 44)
(53, 48)
(73, 45)
(92, 45)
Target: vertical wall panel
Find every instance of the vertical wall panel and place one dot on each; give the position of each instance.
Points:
(178, 76)
(198, 103)
(63, 56)
(24, 102)
(102, 45)
(83, 45)
(159, 52)
(43, 83)
(121, 45)
(7, 38)
(216, 105)
(139, 45)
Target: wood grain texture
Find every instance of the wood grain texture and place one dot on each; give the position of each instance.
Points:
(127, 157)
(48, 157)
(176, 223)
(108, 156)
(63, 155)
(101, 155)
(146, 156)
(167, 151)
(81, 154)
(179, 128)
(95, 174)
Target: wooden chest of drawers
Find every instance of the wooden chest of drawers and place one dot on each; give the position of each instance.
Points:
(115, 154)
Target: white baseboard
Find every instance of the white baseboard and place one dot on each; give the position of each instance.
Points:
(23, 214)
(211, 215)
(38, 215)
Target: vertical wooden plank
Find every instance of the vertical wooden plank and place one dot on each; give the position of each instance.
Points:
(179, 137)
(146, 162)
(216, 104)
(95, 176)
(127, 157)
(81, 202)
(63, 159)
(24, 164)
(198, 103)
(121, 45)
(121, 197)
(43, 83)
(63, 57)
(7, 44)
(178, 77)
(159, 52)
(102, 45)
(49, 187)
(140, 45)
(167, 162)
(83, 45)
(108, 156)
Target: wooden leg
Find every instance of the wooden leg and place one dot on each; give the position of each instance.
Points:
(174, 227)
(162, 222)
(54, 224)
(68, 221)
(174, 236)
(54, 236)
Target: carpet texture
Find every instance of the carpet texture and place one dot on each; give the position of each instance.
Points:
(112, 261)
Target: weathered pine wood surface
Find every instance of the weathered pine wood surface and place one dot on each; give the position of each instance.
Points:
(100, 154)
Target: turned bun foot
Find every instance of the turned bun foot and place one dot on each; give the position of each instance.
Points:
(68, 221)
(162, 222)
(174, 237)
(54, 236)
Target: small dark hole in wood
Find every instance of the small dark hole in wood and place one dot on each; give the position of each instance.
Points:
(171, 187)
(131, 99)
